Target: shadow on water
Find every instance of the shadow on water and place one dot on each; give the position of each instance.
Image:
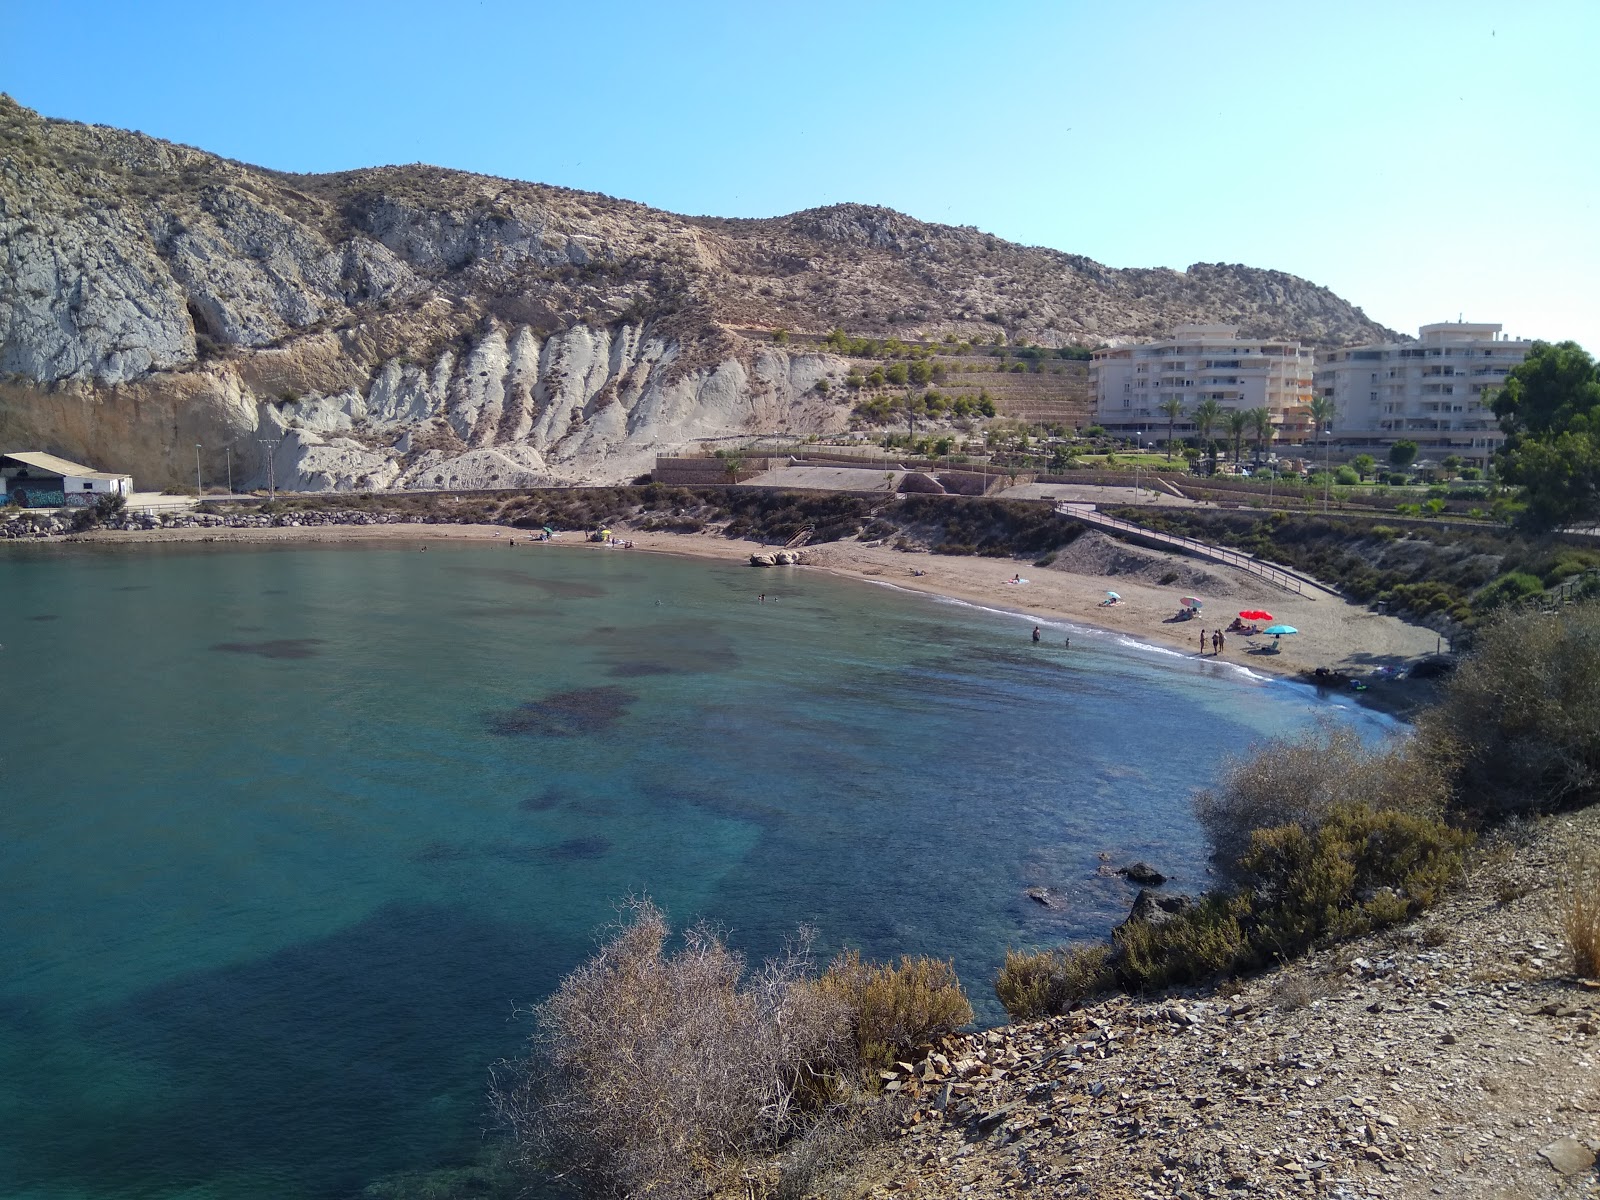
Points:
(638, 670)
(565, 588)
(676, 646)
(45, 617)
(577, 712)
(574, 849)
(544, 801)
(296, 1069)
(279, 648)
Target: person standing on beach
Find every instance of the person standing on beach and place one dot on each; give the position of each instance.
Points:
(1216, 641)
(1202, 643)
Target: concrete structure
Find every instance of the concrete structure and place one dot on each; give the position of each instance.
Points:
(1201, 362)
(1436, 391)
(44, 481)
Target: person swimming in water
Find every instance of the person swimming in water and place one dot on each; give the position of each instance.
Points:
(1036, 633)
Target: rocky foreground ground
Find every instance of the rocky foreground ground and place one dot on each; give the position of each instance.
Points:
(1454, 1057)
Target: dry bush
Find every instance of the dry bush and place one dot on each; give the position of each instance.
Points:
(653, 1072)
(1294, 990)
(825, 1153)
(1045, 983)
(1580, 917)
(896, 1007)
(1300, 779)
(1523, 706)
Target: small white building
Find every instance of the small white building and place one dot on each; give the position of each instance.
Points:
(1201, 362)
(35, 480)
(1437, 391)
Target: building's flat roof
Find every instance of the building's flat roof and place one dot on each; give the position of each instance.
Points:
(58, 466)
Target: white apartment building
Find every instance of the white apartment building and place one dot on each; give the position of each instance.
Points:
(1201, 362)
(1436, 391)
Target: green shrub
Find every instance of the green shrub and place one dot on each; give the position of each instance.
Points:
(1300, 779)
(1192, 946)
(895, 1007)
(1523, 706)
(1508, 589)
(1045, 983)
(1361, 869)
(1358, 870)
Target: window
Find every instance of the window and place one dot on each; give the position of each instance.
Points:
(88, 487)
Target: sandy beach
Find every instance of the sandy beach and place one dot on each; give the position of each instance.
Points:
(1334, 633)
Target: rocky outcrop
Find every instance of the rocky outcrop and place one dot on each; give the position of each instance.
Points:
(408, 327)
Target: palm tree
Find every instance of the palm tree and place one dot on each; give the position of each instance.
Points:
(1172, 406)
(1261, 423)
(1238, 423)
(1205, 416)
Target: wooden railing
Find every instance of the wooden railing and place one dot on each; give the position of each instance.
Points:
(1289, 581)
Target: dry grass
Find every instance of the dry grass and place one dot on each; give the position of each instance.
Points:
(1580, 917)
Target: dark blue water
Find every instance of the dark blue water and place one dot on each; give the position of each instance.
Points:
(285, 833)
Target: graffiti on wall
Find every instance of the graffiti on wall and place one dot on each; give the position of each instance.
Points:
(34, 496)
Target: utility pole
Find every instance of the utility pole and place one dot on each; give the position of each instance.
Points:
(272, 447)
(229, 449)
(199, 493)
(1327, 467)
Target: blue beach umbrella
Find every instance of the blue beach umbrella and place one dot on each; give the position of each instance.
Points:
(1278, 631)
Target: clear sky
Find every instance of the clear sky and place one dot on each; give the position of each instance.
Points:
(1425, 160)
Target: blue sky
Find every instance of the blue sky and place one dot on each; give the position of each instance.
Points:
(1424, 160)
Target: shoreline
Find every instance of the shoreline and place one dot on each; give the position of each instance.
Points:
(1336, 634)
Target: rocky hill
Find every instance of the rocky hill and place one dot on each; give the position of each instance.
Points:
(418, 327)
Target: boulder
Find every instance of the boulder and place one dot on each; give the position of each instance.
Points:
(763, 560)
(1143, 874)
(1154, 909)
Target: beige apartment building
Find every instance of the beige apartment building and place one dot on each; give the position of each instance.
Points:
(1201, 362)
(1436, 391)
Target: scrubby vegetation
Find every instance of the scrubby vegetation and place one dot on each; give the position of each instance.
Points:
(1456, 574)
(1580, 917)
(1523, 710)
(656, 1071)
(1318, 838)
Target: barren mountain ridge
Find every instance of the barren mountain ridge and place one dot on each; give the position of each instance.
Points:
(420, 327)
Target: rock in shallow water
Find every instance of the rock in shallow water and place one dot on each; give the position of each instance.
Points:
(1143, 874)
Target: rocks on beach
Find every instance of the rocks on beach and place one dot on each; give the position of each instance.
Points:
(46, 525)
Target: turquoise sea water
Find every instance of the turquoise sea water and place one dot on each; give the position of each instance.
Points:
(286, 832)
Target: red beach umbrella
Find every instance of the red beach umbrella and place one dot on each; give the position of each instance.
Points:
(1255, 614)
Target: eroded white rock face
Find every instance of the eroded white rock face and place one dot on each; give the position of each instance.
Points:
(588, 404)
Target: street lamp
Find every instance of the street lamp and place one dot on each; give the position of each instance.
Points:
(198, 494)
(1138, 449)
(229, 449)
